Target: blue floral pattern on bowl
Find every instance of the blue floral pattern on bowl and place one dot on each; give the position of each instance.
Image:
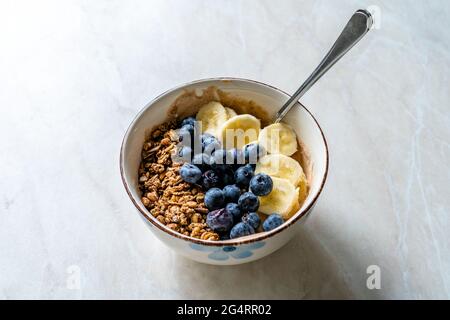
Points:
(224, 253)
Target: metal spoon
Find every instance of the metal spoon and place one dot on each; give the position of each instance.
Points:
(358, 25)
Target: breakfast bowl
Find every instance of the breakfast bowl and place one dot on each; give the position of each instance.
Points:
(255, 98)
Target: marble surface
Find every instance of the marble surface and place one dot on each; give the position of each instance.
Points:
(75, 73)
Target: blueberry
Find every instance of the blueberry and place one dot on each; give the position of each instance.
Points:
(227, 176)
(201, 160)
(232, 193)
(248, 202)
(220, 220)
(241, 229)
(207, 136)
(220, 156)
(261, 184)
(214, 199)
(190, 173)
(210, 179)
(225, 236)
(188, 135)
(218, 160)
(185, 135)
(188, 128)
(196, 144)
(236, 156)
(252, 219)
(189, 120)
(235, 210)
(253, 152)
(243, 175)
(209, 143)
(184, 154)
(273, 221)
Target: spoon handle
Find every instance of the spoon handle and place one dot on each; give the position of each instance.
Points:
(358, 25)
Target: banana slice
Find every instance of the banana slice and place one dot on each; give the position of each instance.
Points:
(282, 200)
(212, 115)
(279, 138)
(303, 188)
(240, 130)
(296, 206)
(281, 166)
(230, 113)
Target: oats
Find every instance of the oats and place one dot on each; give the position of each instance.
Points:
(192, 204)
(202, 210)
(173, 226)
(156, 133)
(173, 202)
(152, 196)
(196, 232)
(165, 142)
(172, 135)
(145, 201)
(196, 218)
(209, 236)
(184, 221)
(174, 209)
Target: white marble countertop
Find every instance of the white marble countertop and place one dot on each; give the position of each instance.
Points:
(74, 74)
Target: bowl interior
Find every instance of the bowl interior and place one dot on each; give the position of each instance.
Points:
(270, 99)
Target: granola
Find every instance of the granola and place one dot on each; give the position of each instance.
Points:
(177, 204)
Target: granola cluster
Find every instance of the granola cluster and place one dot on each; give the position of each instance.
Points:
(177, 204)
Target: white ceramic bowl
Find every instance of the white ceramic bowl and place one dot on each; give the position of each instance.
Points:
(241, 250)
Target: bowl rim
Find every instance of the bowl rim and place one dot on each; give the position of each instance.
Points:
(236, 242)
